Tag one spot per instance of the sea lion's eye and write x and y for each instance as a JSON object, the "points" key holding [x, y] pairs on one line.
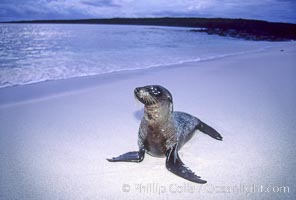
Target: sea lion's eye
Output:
{"points": [[155, 91]]}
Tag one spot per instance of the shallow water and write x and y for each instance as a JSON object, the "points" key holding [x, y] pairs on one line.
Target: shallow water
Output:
{"points": [[32, 53]]}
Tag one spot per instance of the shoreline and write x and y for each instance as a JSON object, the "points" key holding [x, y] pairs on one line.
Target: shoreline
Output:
{"points": [[47, 87], [264, 47]]}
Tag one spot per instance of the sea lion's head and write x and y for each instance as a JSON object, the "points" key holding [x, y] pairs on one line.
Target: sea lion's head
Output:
{"points": [[153, 94]]}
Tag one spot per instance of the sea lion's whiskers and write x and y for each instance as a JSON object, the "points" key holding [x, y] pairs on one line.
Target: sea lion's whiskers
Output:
{"points": [[153, 100], [150, 101]]}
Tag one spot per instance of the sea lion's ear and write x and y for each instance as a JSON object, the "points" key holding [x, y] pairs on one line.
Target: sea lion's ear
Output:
{"points": [[170, 98]]}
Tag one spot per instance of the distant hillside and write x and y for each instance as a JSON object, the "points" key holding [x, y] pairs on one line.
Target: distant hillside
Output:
{"points": [[239, 28]]}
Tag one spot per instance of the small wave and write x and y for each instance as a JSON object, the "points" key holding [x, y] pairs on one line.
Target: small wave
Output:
{"points": [[10, 77]]}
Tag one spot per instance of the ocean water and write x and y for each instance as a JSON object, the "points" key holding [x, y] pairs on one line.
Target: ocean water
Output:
{"points": [[32, 53]]}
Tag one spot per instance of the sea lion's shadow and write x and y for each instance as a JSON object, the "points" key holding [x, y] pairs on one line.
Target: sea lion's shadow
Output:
{"points": [[139, 114]]}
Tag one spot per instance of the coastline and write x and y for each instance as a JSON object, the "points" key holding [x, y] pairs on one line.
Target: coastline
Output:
{"points": [[240, 28], [56, 135], [10, 95], [54, 65]]}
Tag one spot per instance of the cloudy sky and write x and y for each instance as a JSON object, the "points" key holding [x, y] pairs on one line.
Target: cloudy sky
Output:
{"points": [[271, 10]]}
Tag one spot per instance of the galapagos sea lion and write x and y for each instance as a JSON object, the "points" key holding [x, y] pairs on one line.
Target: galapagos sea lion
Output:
{"points": [[164, 131]]}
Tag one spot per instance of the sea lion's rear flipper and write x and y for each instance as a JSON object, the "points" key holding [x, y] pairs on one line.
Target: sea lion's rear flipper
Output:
{"points": [[203, 127], [175, 165], [134, 156]]}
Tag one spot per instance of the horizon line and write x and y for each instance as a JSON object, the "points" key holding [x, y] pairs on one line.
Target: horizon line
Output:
{"points": [[167, 17]]}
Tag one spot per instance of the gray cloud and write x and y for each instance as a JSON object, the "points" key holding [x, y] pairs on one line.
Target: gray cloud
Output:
{"points": [[100, 3], [271, 10]]}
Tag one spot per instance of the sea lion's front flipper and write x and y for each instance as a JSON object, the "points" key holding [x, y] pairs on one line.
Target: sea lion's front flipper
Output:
{"points": [[203, 127], [175, 165], [134, 156]]}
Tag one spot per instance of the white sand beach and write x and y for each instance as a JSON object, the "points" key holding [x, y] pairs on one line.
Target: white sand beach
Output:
{"points": [[55, 136]]}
